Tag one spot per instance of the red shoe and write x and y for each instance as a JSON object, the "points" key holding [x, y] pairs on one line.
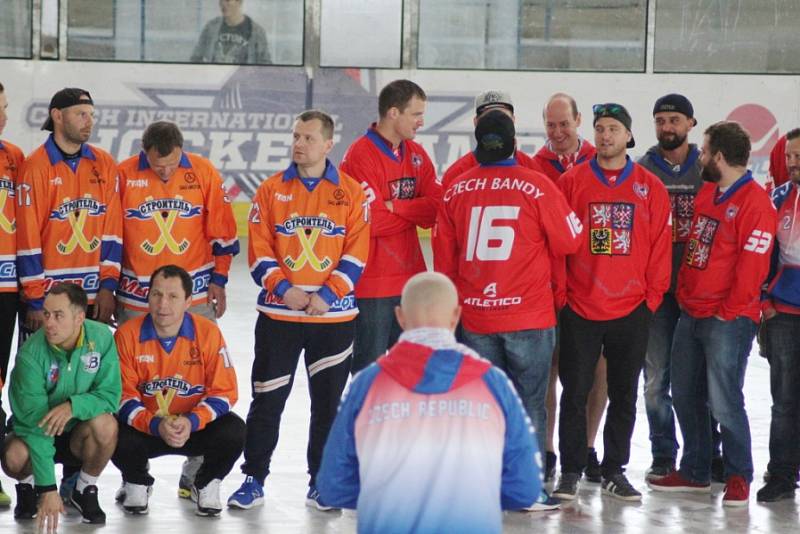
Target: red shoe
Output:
{"points": [[737, 492], [674, 482]]}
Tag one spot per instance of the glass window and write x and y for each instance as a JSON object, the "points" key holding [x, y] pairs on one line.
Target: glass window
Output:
{"points": [[533, 34], [746, 36], [15, 29], [344, 43], [259, 32]]}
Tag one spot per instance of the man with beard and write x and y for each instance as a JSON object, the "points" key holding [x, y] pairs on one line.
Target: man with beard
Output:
{"points": [[781, 314], [719, 284], [614, 283], [677, 163]]}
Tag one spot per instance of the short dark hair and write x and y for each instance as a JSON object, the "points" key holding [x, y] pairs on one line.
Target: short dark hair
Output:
{"points": [[2, 89], [75, 294], [321, 116], [793, 134], [731, 140], [562, 96], [398, 94], [173, 271], [164, 136]]}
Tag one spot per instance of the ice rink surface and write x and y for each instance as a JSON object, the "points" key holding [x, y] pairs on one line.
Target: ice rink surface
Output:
{"points": [[284, 510]]}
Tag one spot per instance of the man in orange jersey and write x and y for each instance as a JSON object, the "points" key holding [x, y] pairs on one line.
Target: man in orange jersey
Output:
{"points": [[175, 211], [178, 387], [11, 159], [68, 218], [309, 240]]}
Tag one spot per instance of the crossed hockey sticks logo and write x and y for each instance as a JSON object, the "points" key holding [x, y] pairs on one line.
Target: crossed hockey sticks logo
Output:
{"points": [[77, 221], [8, 226], [307, 255], [165, 239], [163, 401]]}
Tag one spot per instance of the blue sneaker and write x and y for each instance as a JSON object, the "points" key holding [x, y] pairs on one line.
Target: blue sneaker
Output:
{"points": [[66, 487], [313, 500], [544, 503], [249, 494]]}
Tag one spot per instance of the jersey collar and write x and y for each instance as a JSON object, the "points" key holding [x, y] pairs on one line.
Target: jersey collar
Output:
{"points": [[148, 330], [662, 164], [508, 162], [735, 186], [144, 164], [598, 171], [330, 173], [383, 144], [55, 154]]}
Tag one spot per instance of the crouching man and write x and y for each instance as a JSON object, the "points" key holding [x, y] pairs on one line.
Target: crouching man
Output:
{"points": [[64, 388], [431, 438], [178, 388]]}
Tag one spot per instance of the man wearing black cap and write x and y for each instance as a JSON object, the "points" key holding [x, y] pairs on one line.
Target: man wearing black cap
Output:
{"points": [[677, 163], [497, 229], [614, 283], [69, 225]]}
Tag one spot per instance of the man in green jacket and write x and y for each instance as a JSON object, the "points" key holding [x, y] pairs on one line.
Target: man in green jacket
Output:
{"points": [[64, 390]]}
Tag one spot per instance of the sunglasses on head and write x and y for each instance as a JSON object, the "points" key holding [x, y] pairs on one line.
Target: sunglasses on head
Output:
{"points": [[607, 109]]}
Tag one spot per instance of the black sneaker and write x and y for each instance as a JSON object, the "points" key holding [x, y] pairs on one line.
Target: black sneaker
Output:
{"points": [[550, 459], [593, 473], [617, 486], [87, 505], [660, 468], [776, 489], [567, 488], [27, 504], [717, 470]]}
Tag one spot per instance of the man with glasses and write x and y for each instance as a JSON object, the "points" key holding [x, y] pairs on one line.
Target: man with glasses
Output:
{"points": [[614, 283]]}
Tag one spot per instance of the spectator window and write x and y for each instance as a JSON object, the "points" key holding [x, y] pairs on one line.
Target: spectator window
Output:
{"points": [[15, 29], [344, 41], [533, 34], [257, 32], [746, 36]]}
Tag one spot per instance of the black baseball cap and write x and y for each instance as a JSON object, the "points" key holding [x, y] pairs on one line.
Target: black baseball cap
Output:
{"points": [[65, 98], [495, 135], [676, 103], [617, 112]]}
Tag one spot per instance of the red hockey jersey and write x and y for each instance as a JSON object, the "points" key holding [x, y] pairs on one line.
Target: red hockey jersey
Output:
{"points": [[728, 254], [191, 374], [626, 248], [554, 165], [498, 225], [409, 181], [11, 159]]}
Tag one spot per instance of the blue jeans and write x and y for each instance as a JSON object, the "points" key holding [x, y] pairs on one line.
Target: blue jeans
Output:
{"points": [[709, 359], [657, 398], [525, 356], [782, 349], [376, 330]]}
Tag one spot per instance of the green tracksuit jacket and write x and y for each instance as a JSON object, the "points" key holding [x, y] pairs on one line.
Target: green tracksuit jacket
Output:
{"points": [[45, 376]]}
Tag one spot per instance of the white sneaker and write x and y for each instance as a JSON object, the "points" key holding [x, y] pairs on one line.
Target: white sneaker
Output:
{"points": [[136, 497], [207, 499]]}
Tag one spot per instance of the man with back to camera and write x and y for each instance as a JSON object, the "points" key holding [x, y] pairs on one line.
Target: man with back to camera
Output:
{"points": [[400, 183], [431, 438], [614, 283], [232, 38], [64, 390]]}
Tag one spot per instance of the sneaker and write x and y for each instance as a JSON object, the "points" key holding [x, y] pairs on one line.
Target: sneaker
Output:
{"points": [[617, 486], [544, 503], [737, 492], [567, 488], [593, 472], [776, 489], [550, 460], [660, 468], [134, 498], [5, 500], [717, 469], [26, 507], [249, 494], [675, 482], [87, 505], [191, 466], [66, 486], [207, 499], [313, 500]]}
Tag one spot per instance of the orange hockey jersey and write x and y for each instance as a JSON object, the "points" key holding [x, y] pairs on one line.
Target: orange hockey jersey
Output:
{"points": [[312, 234], [187, 221], [11, 159], [69, 226], [191, 374]]}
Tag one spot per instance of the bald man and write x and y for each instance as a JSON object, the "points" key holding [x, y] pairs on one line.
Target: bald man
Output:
{"points": [[445, 424]]}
